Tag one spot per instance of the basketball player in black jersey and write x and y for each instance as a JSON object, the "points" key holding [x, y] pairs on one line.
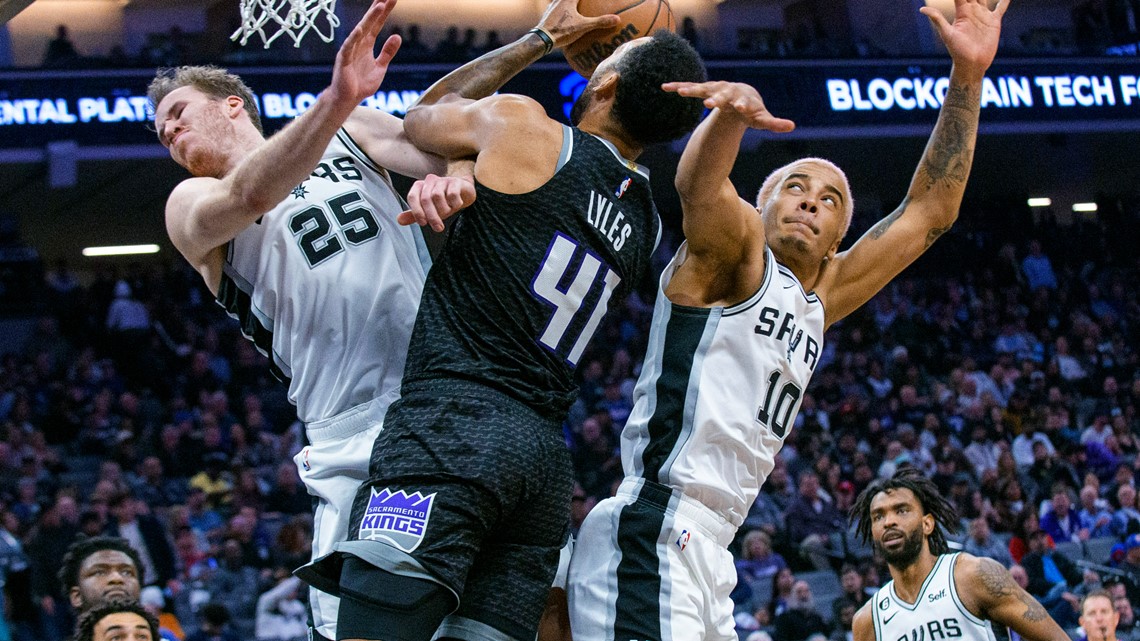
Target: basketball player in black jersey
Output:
{"points": [[468, 503]]}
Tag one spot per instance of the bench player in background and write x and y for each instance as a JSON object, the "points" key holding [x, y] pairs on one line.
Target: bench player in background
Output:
{"points": [[932, 593], [737, 332], [297, 237]]}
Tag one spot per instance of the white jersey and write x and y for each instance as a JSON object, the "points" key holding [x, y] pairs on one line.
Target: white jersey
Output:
{"points": [[720, 388], [327, 284], [937, 614]]}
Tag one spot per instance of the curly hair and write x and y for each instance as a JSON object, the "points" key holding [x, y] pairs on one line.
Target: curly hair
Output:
{"points": [[648, 113], [81, 549], [212, 81], [924, 490], [85, 629]]}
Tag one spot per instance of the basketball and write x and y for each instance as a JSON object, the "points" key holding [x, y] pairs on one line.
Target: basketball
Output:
{"points": [[638, 18]]}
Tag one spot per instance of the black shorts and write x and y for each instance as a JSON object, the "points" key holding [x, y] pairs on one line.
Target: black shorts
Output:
{"points": [[486, 486]]}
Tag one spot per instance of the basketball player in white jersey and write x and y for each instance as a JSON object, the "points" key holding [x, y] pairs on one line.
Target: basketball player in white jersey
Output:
{"points": [[737, 332], [297, 236], [933, 594]]}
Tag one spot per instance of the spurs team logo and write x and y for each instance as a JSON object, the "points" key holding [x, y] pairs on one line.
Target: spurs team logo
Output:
{"points": [[396, 517]]}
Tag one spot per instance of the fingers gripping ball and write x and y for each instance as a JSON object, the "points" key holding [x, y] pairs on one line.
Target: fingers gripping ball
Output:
{"points": [[638, 18]]}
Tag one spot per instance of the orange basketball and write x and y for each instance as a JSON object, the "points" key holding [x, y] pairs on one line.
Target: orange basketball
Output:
{"points": [[638, 18]]}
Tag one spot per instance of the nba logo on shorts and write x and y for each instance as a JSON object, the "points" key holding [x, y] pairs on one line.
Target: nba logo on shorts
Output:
{"points": [[305, 460], [683, 540], [396, 517]]}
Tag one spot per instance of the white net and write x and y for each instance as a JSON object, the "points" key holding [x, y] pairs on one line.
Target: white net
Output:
{"points": [[271, 18]]}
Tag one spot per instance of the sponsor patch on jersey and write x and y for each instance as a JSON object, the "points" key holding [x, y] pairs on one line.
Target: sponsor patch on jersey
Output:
{"points": [[396, 517], [623, 186], [683, 540]]}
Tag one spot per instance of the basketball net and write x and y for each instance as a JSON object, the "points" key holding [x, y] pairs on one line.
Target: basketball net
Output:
{"points": [[271, 18]]}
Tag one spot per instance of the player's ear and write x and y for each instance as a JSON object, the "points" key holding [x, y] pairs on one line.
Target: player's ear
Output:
{"points": [[928, 524], [607, 86], [234, 106]]}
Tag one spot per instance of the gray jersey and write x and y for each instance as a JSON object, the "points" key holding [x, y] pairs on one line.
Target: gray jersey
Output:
{"points": [[936, 615], [327, 284], [720, 388]]}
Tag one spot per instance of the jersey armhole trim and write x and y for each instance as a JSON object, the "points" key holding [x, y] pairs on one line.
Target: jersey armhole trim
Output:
{"points": [[358, 151], [751, 301], [567, 148], [954, 594]]}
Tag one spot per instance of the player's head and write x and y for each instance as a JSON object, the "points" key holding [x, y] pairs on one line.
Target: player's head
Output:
{"points": [[1099, 616], [632, 76], [98, 569], [903, 515], [119, 621], [205, 101], [806, 206]]}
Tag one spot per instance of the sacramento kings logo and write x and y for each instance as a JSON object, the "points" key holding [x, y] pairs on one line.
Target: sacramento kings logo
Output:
{"points": [[396, 517]]}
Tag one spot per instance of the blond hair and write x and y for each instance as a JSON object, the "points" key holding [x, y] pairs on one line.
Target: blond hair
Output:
{"points": [[778, 176], [212, 81]]}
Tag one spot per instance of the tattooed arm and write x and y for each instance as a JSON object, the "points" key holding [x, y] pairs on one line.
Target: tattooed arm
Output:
{"points": [[988, 591], [485, 75], [931, 204]]}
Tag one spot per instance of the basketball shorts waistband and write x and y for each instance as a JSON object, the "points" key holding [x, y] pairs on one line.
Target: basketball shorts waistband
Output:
{"points": [[673, 501], [352, 420]]}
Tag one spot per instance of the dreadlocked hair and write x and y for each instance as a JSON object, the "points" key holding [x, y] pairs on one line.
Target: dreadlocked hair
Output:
{"points": [[924, 490]]}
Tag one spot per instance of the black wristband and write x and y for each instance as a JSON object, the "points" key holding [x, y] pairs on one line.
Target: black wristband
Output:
{"points": [[545, 37]]}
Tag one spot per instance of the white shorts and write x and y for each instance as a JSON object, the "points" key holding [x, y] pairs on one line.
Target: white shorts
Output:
{"points": [[653, 565], [333, 466]]}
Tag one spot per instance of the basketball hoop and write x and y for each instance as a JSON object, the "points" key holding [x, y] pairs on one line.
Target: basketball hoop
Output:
{"points": [[271, 18]]}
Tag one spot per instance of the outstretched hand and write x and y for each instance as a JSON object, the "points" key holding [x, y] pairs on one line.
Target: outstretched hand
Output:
{"points": [[565, 25], [437, 198], [733, 98], [972, 39], [357, 74]]}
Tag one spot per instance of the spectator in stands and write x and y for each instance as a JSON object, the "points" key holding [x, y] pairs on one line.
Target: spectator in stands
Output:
{"points": [[758, 562], [1051, 579], [47, 543], [153, 488], [1126, 518], [117, 621], [152, 599], [1038, 268], [1061, 522], [982, 543], [281, 616], [61, 52], [782, 584], [1130, 566], [982, 452], [1093, 515], [146, 535], [1128, 627], [800, 619], [852, 592], [215, 625], [811, 520]]}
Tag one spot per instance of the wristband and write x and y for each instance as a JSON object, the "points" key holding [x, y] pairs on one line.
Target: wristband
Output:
{"points": [[545, 37]]}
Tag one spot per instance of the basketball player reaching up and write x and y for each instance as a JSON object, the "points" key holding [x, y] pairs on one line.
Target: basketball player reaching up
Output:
{"points": [[297, 237], [737, 332], [932, 593], [469, 499]]}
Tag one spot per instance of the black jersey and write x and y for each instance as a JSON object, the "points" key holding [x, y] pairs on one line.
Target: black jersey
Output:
{"points": [[525, 279]]}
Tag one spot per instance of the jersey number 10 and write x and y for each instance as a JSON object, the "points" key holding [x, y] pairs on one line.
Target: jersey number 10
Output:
{"points": [[779, 407], [568, 302]]}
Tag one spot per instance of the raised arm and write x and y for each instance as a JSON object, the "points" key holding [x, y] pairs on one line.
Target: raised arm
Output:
{"points": [[718, 224], [931, 204], [987, 590], [203, 214], [561, 23]]}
